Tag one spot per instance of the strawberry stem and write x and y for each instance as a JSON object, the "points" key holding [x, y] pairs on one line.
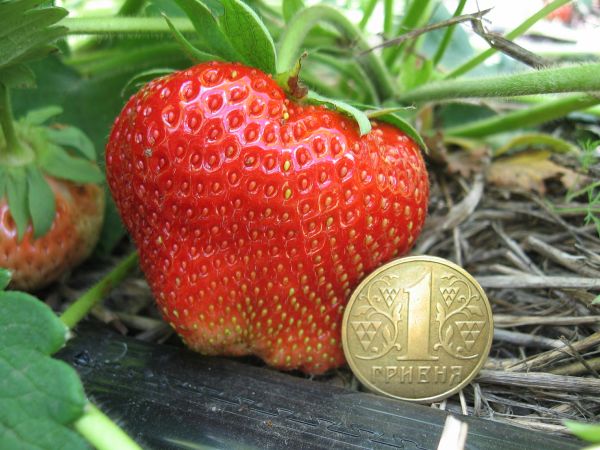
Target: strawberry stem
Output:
{"points": [[583, 78], [102, 432], [527, 117], [13, 147], [82, 306], [299, 27], [124, 25]]}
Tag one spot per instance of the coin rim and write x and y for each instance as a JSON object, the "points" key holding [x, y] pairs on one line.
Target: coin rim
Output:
{"points": [[401, 261]]}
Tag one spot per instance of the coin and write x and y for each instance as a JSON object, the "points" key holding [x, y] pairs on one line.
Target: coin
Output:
{"points": [[418, 329]]}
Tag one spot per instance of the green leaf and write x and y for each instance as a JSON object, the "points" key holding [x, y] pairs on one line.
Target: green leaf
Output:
{"points": [[17, 76], [586, 431], [291, 7], [58, 163], [41, 397], [16, 191], [42, 204], [209, 32], [360, 117], [39, 434], [197, 56], [5, 277], [248, 35], [69, 136], [41, 115], [29, 30], [24, 320]]}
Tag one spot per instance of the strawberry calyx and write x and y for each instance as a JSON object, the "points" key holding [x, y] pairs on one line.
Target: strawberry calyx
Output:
{"points": [[58, 151], [235, 33]]}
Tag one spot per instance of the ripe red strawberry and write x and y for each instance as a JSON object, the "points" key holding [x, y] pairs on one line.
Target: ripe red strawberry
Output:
{"points": [[254, 216], [36, 262]]}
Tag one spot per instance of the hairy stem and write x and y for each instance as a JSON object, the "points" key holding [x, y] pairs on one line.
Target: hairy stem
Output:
{"points": [[522, 28], [99, 430], [13, 147], [582, 78], [439, 54], [527, 117], [137, 26], [297, 30], [79, 309]]}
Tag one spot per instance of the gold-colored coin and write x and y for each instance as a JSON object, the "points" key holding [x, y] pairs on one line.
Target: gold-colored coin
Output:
{"points": [[418, 329]]}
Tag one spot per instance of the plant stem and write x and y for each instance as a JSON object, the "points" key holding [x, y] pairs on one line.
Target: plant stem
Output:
{"points": [[528, 117], [297, 30], [388, 17], [13, 146], [582, 78], [79, 309], [97, 428], [439, 54], [522, 28], [139, 26], [367, 14]]}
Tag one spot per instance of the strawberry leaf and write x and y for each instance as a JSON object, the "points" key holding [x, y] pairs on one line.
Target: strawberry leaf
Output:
{"points": [[360, 117], [16, 191], [42, 205], [57, 162], [41, 397], [25, 321], [29, 29], [40, 116], [17, 76], [248, 35], [69, 136], [5, 277]]}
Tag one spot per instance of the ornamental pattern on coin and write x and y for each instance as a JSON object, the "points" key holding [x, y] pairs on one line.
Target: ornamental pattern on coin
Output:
{"points": [[418, 328]]}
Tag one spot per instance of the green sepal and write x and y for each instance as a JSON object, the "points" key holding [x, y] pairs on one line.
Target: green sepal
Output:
{"points": [[72, 137], [17, 76], [5, 276], [390, 116], [197, 56], [42, 115], [16, 192], [364, 124], [57, 162], [237, 34], [208, 30], [140, 79], [248, 35], [42, 204]]}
